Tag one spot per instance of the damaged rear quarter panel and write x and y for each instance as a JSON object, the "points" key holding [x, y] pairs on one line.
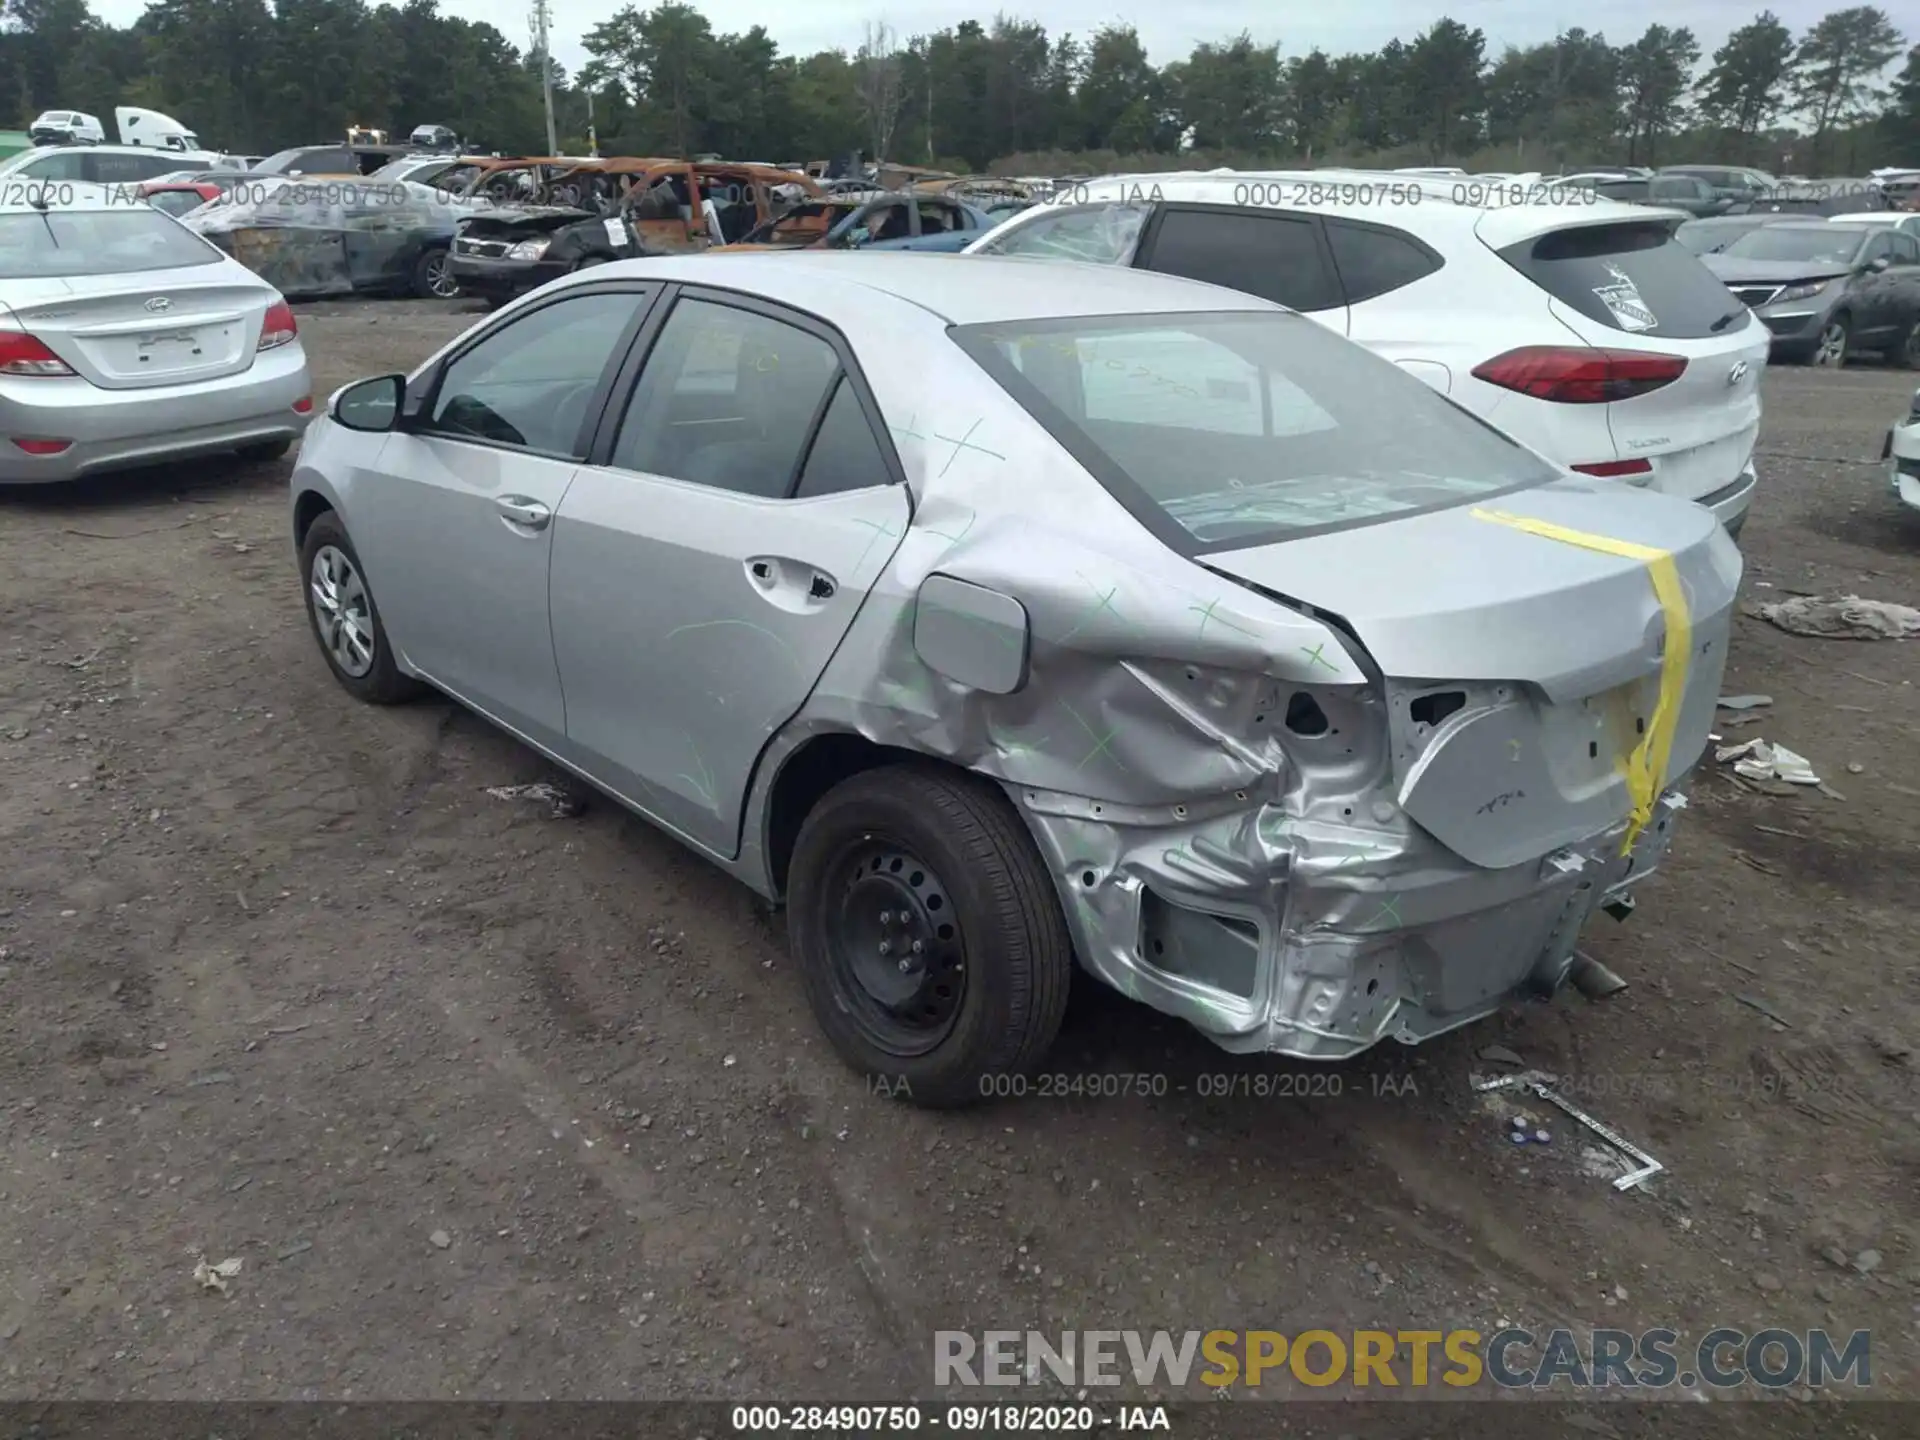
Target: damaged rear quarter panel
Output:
{"points": [[1213, 777]]}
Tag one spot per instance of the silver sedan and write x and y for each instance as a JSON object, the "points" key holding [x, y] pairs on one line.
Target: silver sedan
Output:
{"points": [[125, 340], [1006, 616]]}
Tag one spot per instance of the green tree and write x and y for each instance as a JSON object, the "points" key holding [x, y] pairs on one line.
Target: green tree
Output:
{"points": [[1653, 83], [1230, 96], [1835, 67], [1444, 95], [1746, 85]]}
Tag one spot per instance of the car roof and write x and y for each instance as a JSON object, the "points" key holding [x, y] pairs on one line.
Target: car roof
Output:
{"points": [[1500, 213], [971, 291]]}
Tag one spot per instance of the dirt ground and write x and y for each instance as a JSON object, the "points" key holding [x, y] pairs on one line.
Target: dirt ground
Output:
{"points": [[494, 1104]]}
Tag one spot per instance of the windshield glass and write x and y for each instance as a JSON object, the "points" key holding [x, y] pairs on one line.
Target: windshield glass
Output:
{"points": [[1813, 245], [1245, 428], [95, 242]]}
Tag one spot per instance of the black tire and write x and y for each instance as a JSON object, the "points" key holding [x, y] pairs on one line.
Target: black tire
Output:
{"points": [[1908, 352], [431, 279], [382, 683], [265, 451], [1829, 353], [1006, 951]]}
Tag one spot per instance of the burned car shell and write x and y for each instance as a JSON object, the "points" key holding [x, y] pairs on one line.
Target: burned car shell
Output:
{"points": [[510, 250], [315, 237], [851, 222], [1310, 794]]}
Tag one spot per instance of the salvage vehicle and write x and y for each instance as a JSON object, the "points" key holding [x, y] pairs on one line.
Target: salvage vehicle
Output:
{"points": [[318, 160], [177, 197], [1827, 290], [1671, 192], [129, 341], [1707, 237], [324, 237], [1899, 220], [616, 209], [890, 220], [1115, 626], [1583, 329], [1902, 451], [101, 164]]}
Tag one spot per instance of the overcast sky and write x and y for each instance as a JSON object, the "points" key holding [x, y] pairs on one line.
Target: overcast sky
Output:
{"points": [[1169, 30]]}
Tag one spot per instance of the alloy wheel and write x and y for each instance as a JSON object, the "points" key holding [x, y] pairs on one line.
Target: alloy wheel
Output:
{"points": [[1832, 346], [440, 277], [342, 611]]}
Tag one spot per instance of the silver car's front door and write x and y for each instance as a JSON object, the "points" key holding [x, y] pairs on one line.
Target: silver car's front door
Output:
{"points": [[457, 531], [706, 573]]}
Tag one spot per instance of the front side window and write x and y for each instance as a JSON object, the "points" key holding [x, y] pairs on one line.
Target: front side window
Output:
{"points": [[1232, 429], [1104, 234], [528, 384], [726, 399], [60, 165]]}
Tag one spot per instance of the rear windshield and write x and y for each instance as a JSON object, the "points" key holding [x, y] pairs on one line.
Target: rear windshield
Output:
{"points": [[1220, 431], [1814, 245], [95, 242], [1634, 277]]}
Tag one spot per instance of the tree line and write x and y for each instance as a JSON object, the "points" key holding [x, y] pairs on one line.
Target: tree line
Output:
{"points": [[1005, 95]]}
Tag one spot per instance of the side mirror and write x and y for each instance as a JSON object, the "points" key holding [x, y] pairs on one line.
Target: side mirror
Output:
{"points": [[370, 405], [1877, 264]]}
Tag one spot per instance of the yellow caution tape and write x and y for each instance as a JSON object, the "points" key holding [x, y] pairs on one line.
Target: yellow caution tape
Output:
{"points": [[1646, 768]]}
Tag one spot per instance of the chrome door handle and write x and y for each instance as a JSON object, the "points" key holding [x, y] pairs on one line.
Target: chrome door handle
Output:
{"points": [[523, 511]]}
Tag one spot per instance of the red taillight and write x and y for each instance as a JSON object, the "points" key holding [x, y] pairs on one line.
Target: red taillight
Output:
{"points": [[23, 354], [278, 328], [1583, 376], [43, 447], [1613, 469], [304, 405]]}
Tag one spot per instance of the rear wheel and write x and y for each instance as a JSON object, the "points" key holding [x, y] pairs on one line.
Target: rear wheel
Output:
{"points": [[1830, 350], [1908, 353], [928, 934], [433, 276]]}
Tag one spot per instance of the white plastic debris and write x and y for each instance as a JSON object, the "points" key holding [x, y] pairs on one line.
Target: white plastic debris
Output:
{"points": [[562, 805], [215, 1277], [1757, 760], [1844, 617]]}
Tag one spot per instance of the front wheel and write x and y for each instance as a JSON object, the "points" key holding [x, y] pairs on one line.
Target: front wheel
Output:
{"points": [[1830, 350], [928, 934], [345, 620]]}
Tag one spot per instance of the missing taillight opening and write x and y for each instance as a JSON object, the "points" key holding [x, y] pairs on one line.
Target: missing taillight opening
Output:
{"points": [[1580, 375]]}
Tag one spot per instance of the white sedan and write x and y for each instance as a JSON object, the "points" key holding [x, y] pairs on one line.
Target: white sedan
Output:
{"points": [[1902, 454], [126, 340]]}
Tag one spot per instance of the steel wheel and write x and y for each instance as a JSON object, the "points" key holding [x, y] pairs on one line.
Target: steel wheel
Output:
{"points": [[342, 613], [895, 949], [440, 278], [1830, 349]]}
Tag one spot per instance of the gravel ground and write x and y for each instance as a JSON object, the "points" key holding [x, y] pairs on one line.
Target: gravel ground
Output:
{"points": [[492, 1104]]}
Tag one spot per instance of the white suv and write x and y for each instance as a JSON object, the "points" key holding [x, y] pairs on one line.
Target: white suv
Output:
{"points": [[1580, 328]]}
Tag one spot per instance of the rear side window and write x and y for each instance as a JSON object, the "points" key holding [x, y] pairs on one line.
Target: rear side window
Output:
{"points": [[96, 242], [845, 456], [1374, 262], [1276, 257], [1633, 277]]}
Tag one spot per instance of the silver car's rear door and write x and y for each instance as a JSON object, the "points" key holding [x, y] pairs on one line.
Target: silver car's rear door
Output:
{"points": [[694, 603]]}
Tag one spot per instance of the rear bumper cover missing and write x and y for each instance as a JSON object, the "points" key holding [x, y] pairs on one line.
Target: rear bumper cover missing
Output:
{"points": [[1301, 939]]}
